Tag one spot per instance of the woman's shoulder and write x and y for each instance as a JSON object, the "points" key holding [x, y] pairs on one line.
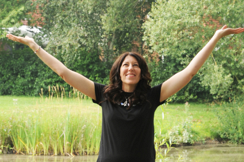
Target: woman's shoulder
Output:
{"points": [[156, 88], [99, 86]]}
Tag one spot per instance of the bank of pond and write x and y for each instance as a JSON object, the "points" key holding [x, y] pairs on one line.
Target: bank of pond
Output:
{"points": [[200, 153], [72, 126]]}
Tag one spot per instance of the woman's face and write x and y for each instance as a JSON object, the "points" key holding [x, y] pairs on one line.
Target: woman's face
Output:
{"points": [[130, 73]]}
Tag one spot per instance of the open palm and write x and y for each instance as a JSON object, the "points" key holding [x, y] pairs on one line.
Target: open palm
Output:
{"points": [[224, 31], [24, 40]]}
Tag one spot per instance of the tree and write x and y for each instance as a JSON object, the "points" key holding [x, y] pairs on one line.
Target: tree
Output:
{"points": [[11, 12], [106, 27], [178, 29], [122, 24]]}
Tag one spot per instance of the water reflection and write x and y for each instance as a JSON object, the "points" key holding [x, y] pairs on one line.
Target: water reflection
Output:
{"points": [[25, 158], [207, 153], [203, 153]]}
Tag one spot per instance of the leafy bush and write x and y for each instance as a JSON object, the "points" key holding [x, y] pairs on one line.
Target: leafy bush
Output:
{"points": [[182, 133], [178, 30], [11, 12], [23, 73], [160, 72], [231, 119], [18, 71]]}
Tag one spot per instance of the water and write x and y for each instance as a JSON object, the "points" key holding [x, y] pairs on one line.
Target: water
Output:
{"points": [[26, 158], [207, 153], [202, 153]]}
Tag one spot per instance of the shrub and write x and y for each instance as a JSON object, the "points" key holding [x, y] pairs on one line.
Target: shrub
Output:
{"points": [[231, 119], [23, 73], [177, 30]]}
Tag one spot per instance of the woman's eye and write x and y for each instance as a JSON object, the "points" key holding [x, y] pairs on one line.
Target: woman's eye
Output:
{"points": [[135, 65]]}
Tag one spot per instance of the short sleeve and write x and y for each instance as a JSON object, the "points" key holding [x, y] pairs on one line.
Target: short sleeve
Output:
{"points": [[99, 89], [155, 95]]}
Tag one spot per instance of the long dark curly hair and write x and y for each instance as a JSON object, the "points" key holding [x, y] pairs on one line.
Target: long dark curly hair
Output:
{"points": [[114, 93]]}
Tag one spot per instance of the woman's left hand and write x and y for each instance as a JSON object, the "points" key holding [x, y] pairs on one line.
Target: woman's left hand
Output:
{"points": [[224, 31]]}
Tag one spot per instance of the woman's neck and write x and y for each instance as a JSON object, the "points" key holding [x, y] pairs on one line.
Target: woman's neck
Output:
{"points": [[128, 88]]}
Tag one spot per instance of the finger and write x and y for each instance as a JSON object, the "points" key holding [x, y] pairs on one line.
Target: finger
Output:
{"points": [[224, 27], [10, 36], [14, 38], [238, 30]]}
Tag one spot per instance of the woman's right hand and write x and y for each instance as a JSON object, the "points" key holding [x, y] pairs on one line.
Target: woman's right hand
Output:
{"points": [[24, 40]]}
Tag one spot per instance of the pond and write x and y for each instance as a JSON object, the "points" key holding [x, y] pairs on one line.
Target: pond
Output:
{"points": [[201, 153], [26, 158], [207, 153]]}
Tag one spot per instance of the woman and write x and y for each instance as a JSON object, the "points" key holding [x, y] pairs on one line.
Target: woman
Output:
{"points": [[128, 102]]}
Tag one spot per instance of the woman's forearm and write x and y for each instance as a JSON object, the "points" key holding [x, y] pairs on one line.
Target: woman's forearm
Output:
{"points": [[57, 66], [203, 55]]}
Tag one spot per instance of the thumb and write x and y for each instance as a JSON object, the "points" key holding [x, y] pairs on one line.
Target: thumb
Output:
{"points": [[224, 27]]}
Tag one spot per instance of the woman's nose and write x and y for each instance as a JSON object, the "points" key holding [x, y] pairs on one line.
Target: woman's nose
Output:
{"points": [[130, 67]]}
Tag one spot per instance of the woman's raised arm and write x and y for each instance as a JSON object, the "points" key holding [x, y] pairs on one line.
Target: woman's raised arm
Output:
{"points": [[179, 80], [76, 80]]}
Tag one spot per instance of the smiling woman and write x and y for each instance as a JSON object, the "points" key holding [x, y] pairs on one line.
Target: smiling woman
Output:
{"points": [[128, 102], [130, 74]]}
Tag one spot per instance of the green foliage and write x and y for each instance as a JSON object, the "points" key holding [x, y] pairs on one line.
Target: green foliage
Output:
{"points": [[183, 133], [73, 25], [105, 27], [161, 71], [218, 82], [19, 70], [231, 119], [13, 17], [90, 65], [122, 24], [179, 29], [84, 32], [23, 73], [48, 127], [79, 118], [11, 12]]}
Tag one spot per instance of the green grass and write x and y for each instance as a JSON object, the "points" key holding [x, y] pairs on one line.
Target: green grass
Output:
{"points": [[50, 126], [44, 126], [202, 116]]}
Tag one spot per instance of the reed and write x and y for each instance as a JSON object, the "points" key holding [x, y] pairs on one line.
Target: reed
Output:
{"points": [[52, 126], [61, 125]]}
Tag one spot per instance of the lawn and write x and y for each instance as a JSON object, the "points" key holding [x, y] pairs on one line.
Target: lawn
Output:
{"points": [[200, 117]]}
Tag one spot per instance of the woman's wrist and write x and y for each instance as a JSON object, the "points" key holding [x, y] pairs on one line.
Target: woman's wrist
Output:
{"points": [[217, 35], [34, 47]]}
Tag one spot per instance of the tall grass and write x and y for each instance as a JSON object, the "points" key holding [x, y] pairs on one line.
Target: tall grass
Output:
{"points": [[185, 123], [61, 124], [231, 118], [56, 126]]}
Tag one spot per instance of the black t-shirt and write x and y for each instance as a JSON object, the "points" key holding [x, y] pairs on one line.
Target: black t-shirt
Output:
{"points": [[127, 135]]}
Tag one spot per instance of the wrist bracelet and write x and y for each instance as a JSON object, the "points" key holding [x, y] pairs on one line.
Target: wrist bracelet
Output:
{"points": [[38, 49]]}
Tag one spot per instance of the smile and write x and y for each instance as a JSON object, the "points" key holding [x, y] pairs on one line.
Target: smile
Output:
{"points": [[130, 75]]}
